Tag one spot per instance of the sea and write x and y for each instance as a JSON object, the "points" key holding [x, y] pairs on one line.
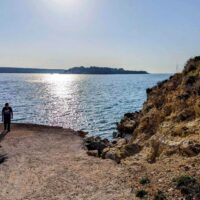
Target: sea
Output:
{"points": [[92, 103]]}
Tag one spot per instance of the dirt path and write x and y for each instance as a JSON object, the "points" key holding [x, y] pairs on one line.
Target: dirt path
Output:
{"points": [[50, 163]]}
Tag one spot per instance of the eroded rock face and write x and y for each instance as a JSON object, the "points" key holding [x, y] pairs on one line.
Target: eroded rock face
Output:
{"points": [[170, 116]]}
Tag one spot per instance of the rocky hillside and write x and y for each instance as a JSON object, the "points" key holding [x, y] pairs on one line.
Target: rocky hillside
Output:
{"points": [[162, 150], [169, 122]]}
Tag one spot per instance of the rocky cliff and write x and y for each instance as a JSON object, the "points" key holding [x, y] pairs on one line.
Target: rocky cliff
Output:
{"points": [[162, 152], [169, 123]]}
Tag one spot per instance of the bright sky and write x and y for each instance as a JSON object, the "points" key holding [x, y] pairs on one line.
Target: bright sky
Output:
{"points": [[153, 35]]}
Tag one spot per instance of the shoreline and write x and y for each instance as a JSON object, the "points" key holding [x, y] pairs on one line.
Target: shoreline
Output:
{"points": [[31, 125]]}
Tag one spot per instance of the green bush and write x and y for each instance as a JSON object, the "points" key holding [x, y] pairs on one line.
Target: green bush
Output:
{"points": [[188, 186], [184, 181], [144, 180], [141, 193], [159, 196]]}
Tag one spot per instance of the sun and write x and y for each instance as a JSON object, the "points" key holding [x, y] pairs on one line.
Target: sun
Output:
{"points": [[64, 6], [64, 2]]}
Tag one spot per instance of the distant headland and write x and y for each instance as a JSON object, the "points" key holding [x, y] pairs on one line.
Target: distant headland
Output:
{"points": [[30, 70], [73, 70]]}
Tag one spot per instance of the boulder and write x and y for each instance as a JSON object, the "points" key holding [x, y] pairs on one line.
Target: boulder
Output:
{"points": [[121, 151], [129, 150], [190, 148], [129, 115], [127, 126], [93, 153], [121, 142], [96, 143], [116, 134], [82, 133], [111, 154]]}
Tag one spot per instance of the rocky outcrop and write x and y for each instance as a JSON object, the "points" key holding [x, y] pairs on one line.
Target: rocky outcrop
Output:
{"points": [[169, 122], [95, 145]]}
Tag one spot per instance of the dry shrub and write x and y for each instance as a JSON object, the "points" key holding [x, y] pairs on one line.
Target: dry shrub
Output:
{"points": [[180, 131]]}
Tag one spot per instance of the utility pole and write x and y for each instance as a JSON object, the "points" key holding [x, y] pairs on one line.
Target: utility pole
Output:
{"points": [[177, 68]]}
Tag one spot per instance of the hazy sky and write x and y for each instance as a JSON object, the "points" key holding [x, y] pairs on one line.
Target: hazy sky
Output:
{"points": [[154, 35]]}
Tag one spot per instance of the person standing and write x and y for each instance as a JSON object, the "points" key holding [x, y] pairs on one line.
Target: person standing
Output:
{"points": [[7, 115]]}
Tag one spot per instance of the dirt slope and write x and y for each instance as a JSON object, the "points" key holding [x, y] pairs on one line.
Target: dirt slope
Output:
{"points": [[50, 163]]}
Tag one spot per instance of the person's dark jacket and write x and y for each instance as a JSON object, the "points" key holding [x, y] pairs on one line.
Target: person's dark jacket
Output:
{"points": [[7, 114]]}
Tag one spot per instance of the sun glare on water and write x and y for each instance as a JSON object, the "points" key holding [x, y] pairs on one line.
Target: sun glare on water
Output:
{"points": [[54, 78], [59, 84]]}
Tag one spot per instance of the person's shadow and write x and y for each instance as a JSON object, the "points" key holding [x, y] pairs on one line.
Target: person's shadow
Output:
{"points": [[3, 134], [3, 157]]}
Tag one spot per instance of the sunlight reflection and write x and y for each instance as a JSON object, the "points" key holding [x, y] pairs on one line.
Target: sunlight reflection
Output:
{"points": [[60, 84]]}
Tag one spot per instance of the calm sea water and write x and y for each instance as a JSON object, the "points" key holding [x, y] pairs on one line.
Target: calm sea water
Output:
{"points": [[91, 103]]}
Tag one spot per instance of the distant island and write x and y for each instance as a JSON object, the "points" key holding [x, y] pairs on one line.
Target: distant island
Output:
{"points": [[101, 70], [73, 70], [30, 70]]}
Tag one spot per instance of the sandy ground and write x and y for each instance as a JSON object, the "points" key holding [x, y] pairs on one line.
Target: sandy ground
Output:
{"points": [[51, 163]]}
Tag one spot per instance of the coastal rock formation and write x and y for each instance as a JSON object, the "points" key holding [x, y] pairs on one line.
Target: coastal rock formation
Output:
{"points": [[160, 145], [169, 123]]}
